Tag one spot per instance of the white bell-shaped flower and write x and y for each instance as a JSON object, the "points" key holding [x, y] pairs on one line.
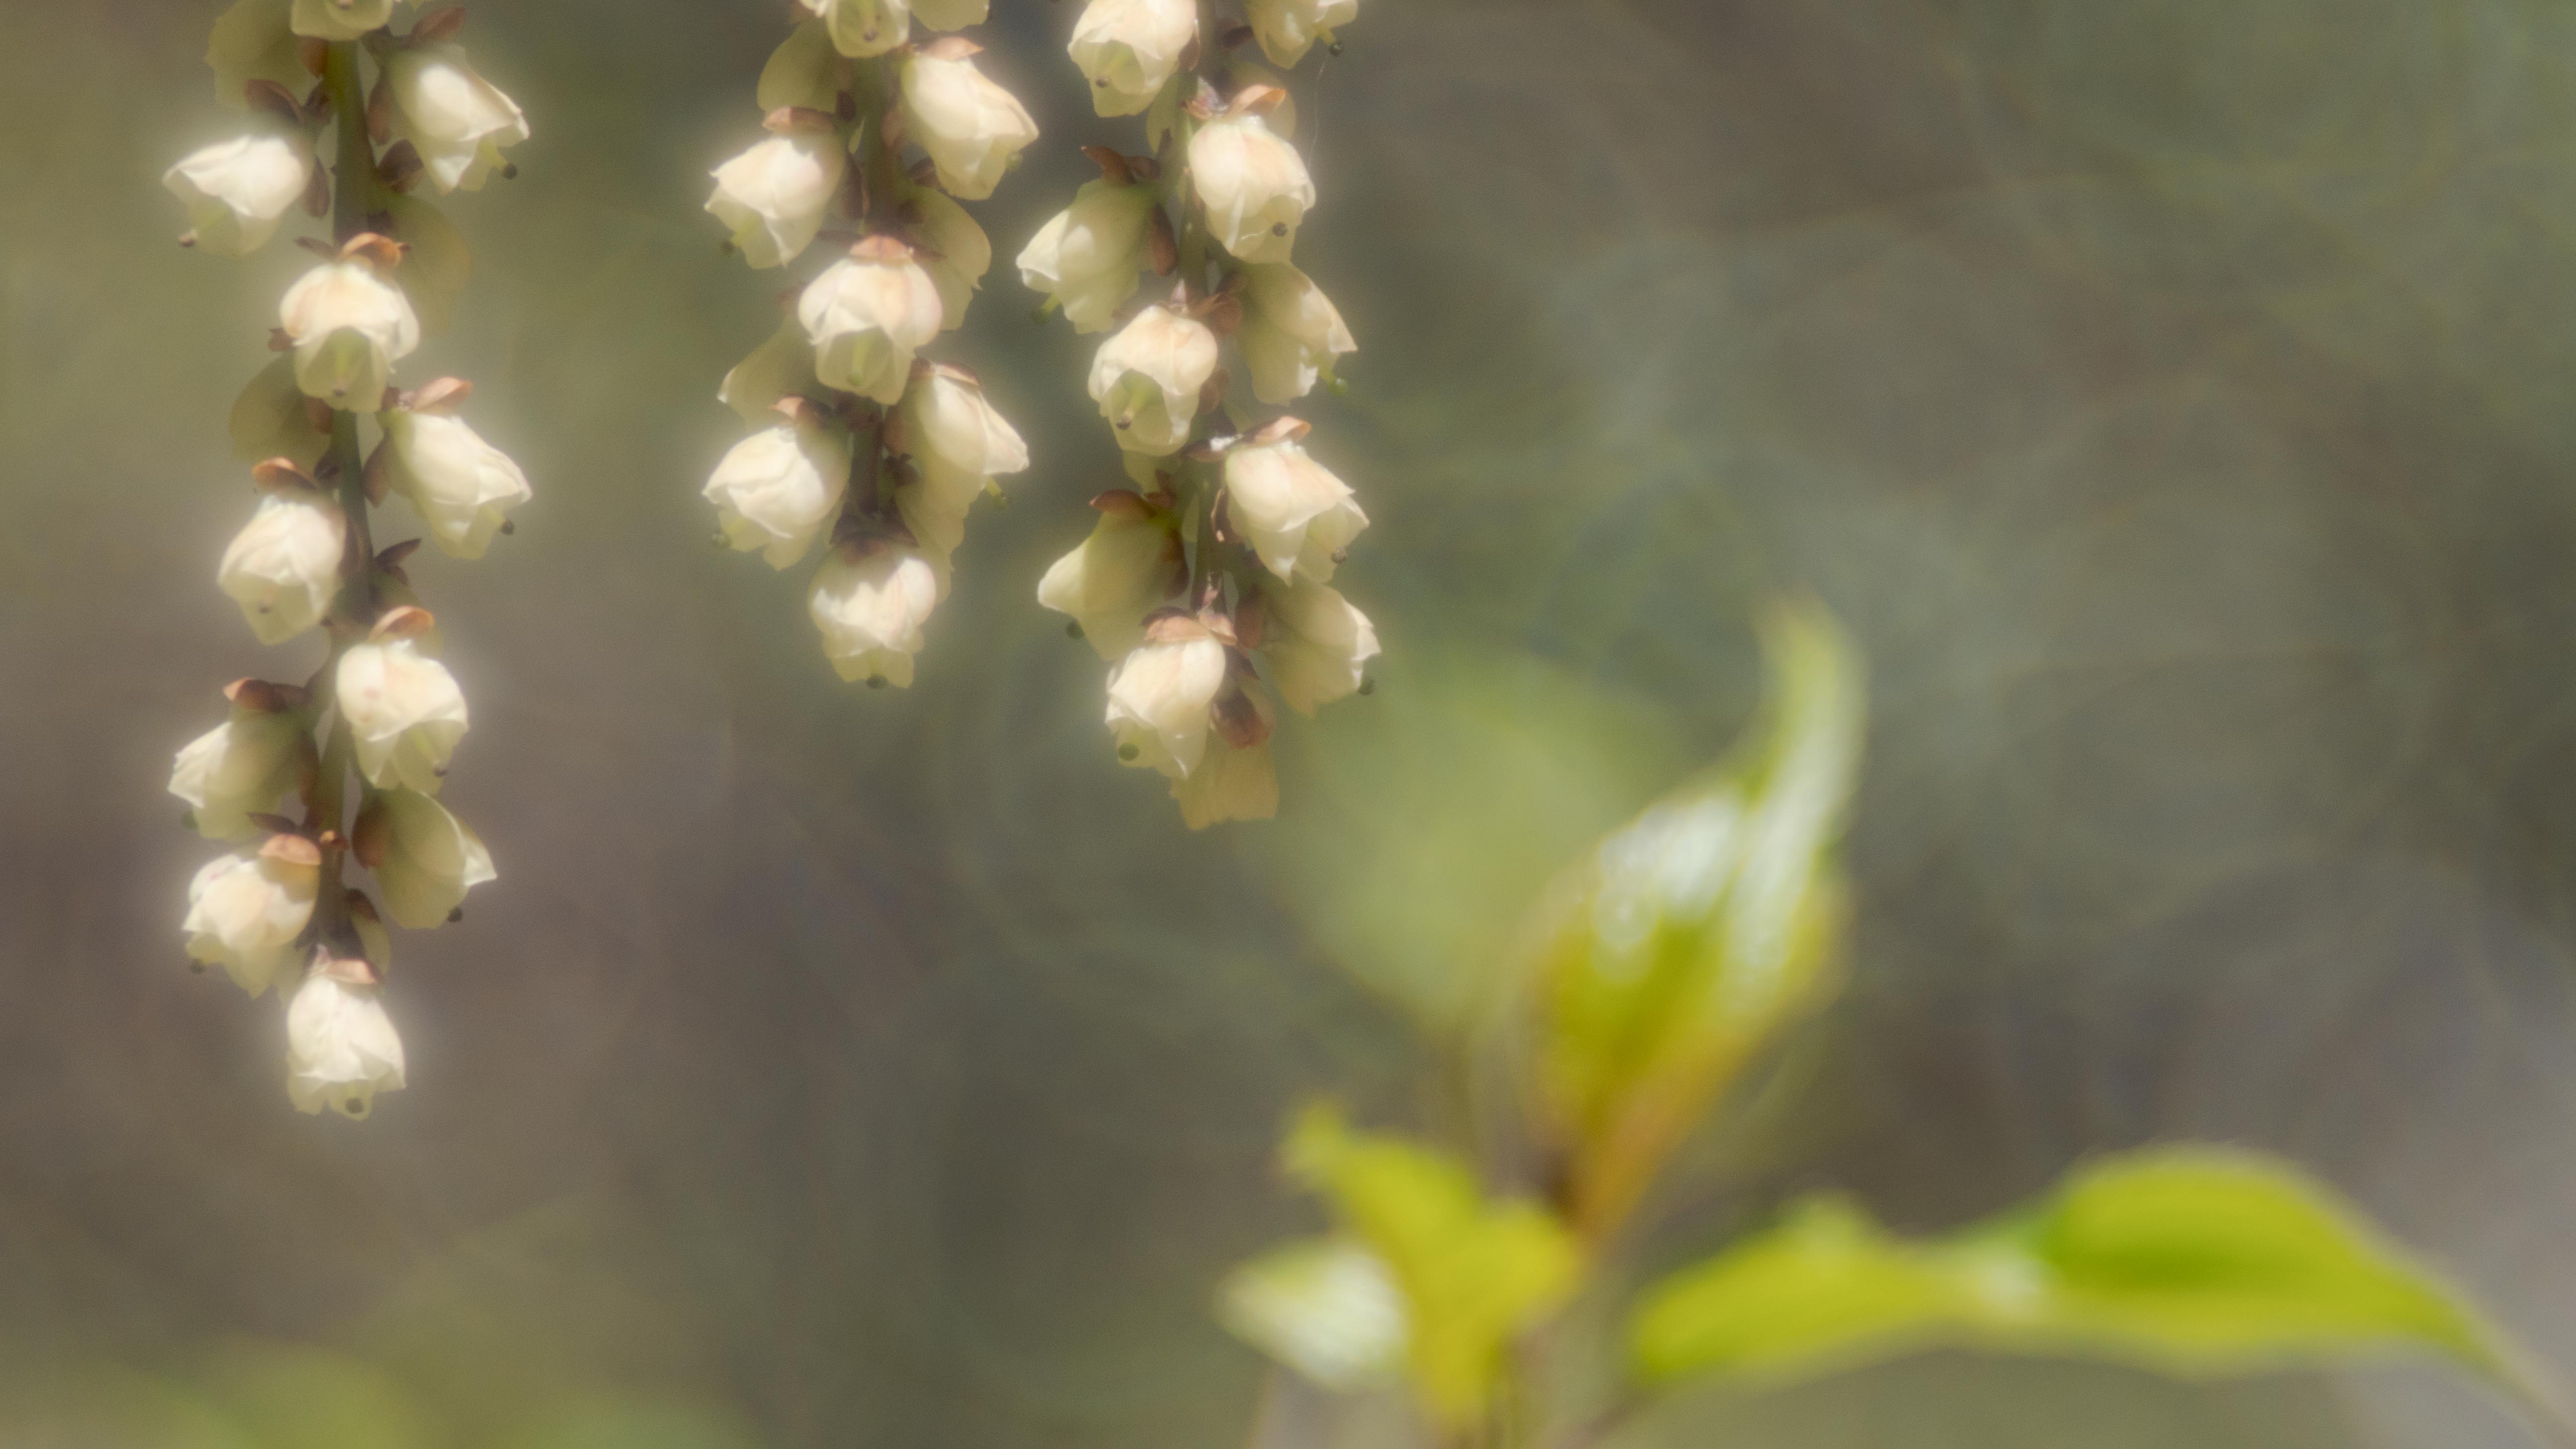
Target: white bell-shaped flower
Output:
{"points": [[1148, 379], [867, 315], [1316, 644], [1288, 29], [1089, 259], [958, 442], [1160, 697], [403, 708], [773, 197], [1236, 779], [246, 909], [341, 19], [1129, 48], [240, 767], [349, 326], [1296, 515], [463, 487], [283, 568], [341, 1047], [424, 858], [864, 28], [1252, 185], [1129, 567], [777, 488], [238, 191], [972, 128], [955, 252], [458, 121], [871, 611], [1291, 334]]}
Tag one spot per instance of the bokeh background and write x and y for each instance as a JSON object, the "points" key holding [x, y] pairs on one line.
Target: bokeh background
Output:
{"points": [[2171, 396]]}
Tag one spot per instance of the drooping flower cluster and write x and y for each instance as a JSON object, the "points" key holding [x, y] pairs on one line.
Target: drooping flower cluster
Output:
{"points": [[273, 781], [1207, 584], [864, 443]]}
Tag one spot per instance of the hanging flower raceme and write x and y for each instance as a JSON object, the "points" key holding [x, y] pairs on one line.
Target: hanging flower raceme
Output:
{"points": [[311, 783], [1205, 584], [863, 441]]}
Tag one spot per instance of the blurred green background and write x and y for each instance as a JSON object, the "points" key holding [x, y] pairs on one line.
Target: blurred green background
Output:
{"points": [[2171, 396]]}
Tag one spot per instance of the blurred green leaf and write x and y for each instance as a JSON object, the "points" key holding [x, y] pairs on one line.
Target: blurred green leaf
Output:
{"points": [[1471, 1272], [434, 271], [2192, 1261], [270, 419], [1692, 936], [298, 1398], [1327, 1308], [800, 71]]}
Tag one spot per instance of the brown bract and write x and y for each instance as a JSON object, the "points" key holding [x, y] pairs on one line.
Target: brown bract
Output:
{"points": [[1170, 625], [277, 474], [409, 621], [375, 249], [1257, 99], [289, 846], [791, 120], [1238, 719], [261, 696], [438, 25], [881, 250]]}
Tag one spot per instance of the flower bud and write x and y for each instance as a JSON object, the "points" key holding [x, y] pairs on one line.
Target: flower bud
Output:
{"points": [[237, 191], [1291, 332], [866, 315], [283, 568], [1232, 782], [957, 255], [341, 19], [971, 127], [1125, 570], [404, 710], [1293, 511], [1129, 48], [864, 28], [463, 487], [777, 488], [349, 327], [252, 41], [773, 197], [424, 858], [239, 768], [1289, 28], [871, 611], [341, 1047], [457, 120], [246, 909], [1252, 185], [1160, 696], [1088, 258], [1315, 644], [1147, 380]]}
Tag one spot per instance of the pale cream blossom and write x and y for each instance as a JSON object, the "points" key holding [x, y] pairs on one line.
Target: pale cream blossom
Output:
{"points": [[1296, 515], [1287, 29], [1130, 48], [423, 857], [238, 191], [1315, 643], [864, 28], [1148, 379], [1129, 567], [777, 488], [1090, 257], [246, 909], [458, 121], [341, 19], [349, 326], [958, 442], [871, 611], [1160, 697], [404, 710], [463, 487], [972, 128], [240, 768], [866, 316], [773, 197], [1291, 334], [283, 568], [341, 1047], [1252, 186]]}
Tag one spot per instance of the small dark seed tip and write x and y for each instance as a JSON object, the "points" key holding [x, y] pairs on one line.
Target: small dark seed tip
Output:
{"points": [[188, 820], [1129, 753], [1333, 49], [510, 172], [1367, 688], [876, 681], [456, 916], [1279, 228], [508, 527], [1073, 630]]}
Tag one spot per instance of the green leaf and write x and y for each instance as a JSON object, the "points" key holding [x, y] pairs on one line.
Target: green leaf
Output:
{"points": [[801, 71], [1471, 1273], [2191, 1261], [780, 368], [434, 271], [270, 420], [1694, 935]]}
